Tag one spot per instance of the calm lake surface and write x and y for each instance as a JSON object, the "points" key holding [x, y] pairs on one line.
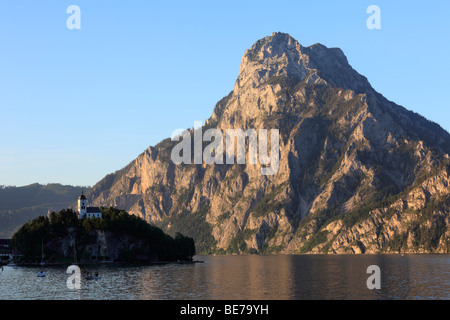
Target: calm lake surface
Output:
{"points": [[280, 277]]}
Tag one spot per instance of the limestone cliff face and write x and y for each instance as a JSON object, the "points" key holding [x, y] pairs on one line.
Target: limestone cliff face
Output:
{"points": [[357, 173]]}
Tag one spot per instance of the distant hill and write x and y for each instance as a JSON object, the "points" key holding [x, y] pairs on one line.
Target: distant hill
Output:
{"points": [[21, 204]]}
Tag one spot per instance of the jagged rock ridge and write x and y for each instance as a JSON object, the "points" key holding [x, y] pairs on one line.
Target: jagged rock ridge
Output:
{"points": [[357, 172]]}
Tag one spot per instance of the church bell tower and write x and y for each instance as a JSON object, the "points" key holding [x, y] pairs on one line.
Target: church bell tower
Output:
{"points": [[82, 205]]}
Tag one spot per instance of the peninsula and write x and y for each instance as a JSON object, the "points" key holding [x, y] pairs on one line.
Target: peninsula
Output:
{"points": [[117, 236]]}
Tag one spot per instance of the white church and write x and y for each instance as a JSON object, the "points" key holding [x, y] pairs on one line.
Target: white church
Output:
{"points": [[84, 210]]}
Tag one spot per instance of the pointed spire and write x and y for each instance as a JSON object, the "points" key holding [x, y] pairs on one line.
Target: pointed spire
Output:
{"points": [[82, 197]]}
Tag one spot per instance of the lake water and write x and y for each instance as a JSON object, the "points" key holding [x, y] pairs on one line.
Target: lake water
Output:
{"points": [[279, 277]]}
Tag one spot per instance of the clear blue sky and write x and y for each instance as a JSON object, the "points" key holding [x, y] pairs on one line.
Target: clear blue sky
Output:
{"points": [[76, 105]]}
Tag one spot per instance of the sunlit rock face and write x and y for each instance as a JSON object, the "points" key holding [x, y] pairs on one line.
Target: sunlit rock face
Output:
{"points": [[357, 173]]}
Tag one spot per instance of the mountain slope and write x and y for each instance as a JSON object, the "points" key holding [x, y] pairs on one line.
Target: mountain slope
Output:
{"points": [[357, 173], [20, 204]]}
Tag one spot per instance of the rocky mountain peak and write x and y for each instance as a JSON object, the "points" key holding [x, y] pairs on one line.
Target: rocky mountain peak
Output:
{"points": [[280, 55]]}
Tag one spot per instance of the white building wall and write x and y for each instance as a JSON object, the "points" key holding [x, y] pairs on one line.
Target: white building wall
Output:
{"points": [[82, 207]]}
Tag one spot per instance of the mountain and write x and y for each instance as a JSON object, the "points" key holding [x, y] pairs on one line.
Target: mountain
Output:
{"points": [[357, 173], [21, 204]]}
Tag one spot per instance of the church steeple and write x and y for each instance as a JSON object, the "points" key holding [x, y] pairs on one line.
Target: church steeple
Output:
{"points": [[82, 197], [82, 205]]}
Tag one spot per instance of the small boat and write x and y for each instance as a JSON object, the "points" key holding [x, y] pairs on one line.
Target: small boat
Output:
{"points": [[89, 276], [42, 273]]}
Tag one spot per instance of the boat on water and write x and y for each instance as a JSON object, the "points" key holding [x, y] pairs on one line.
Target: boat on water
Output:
{"points": [[41, 273], [89, 276]]}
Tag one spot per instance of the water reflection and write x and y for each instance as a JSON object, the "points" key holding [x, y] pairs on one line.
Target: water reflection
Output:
{"points": [[279, 277]]}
